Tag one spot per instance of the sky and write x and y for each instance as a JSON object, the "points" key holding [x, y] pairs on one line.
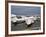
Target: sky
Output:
{"points": [[25, 10]]}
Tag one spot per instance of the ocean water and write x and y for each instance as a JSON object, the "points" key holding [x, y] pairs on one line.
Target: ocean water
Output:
{"points": [[23, 26]]}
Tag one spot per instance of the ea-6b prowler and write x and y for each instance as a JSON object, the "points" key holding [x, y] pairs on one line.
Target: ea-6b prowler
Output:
{"points": [[20, 19]]}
